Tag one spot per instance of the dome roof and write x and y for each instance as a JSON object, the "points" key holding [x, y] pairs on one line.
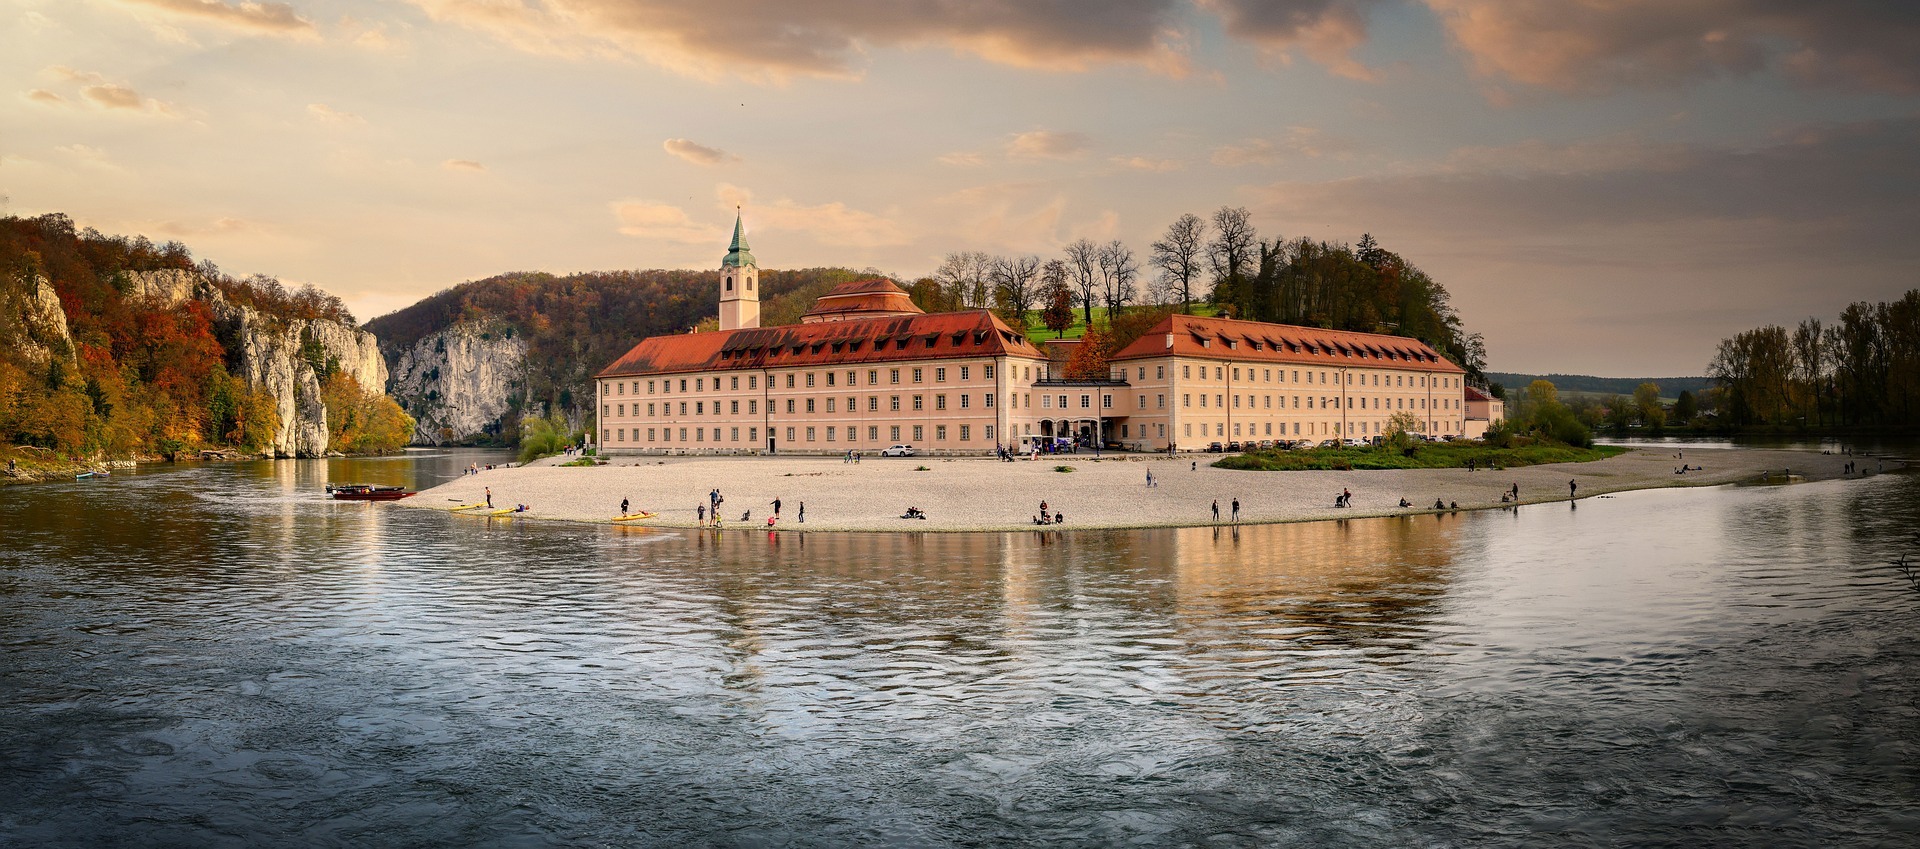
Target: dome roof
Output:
{"points": [[861, 299]]}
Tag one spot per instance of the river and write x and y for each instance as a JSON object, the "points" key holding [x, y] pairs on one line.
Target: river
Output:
{"points": [[218, 656]]}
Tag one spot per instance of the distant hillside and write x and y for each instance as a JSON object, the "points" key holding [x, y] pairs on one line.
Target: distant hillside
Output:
{"points": [[1669, 386], [470, 358]]}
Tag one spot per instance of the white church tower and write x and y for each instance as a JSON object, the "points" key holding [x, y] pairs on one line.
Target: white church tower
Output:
{"points": [[739, 284]]}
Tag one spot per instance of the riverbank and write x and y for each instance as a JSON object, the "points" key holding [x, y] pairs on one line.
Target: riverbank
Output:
{"points": [[982, 494]]}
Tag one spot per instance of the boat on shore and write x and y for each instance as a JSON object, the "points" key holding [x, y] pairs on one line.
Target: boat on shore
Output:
{"points": [[367, 492]]}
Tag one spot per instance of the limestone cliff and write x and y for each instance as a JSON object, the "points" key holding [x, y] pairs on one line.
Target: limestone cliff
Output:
{"points": [[458, 382], [35, 322], [284, 357]]}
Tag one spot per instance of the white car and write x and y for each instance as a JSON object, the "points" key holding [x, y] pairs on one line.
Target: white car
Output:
{"points": [[898, 451]]}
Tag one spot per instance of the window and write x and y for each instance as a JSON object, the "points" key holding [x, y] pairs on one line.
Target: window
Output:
{"points": [[810, 401], [1106, 401], [829, 405], [1086, 402], [650, 436], [830, 430], [700, 434], [1160, 372], [623, 409], [1203, 399], [1046, 401], [1142, 404], [753, 406], [649, 387], [733, 383], [700, 384], [683, 434], [733, 407], [852, 377], [940, 433], [893, 433], [989, 431], [987, 372], [1219, 373], [1063, 402], [873, 433], [939, 402], [919, 402], [919, 433], [853, 403], [1219, 430], [683, 384], [753, 382], [963, 376], [893, 375], [809, 379], [893, 403], [623, 434], [1236, 402], [809, 434], [939, 375], [873, 377], [683, 408], [829, 379], [649, 411], [873, 403], [734, 434], [789, 434], [1236, 372], [1160, 402], [699, 408], [789, 385], [988, 401], [1188, 428], [619, 389], [916, 375], [789, 405], [963, 401], [1186, 371], [1186, 400]]}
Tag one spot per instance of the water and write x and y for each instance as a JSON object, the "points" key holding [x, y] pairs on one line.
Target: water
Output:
{"points": [[219, 657]]}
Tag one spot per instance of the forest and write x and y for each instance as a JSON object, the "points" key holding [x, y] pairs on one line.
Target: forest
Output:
{"points": [[1220, 264], [141, 379], [1861, 370]]}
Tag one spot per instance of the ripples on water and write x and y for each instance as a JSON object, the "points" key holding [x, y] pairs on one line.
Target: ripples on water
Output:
{"points": [[218, 657]]}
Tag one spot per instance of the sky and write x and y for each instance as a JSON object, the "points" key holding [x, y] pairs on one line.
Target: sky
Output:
{"points": [[1605, 186]]}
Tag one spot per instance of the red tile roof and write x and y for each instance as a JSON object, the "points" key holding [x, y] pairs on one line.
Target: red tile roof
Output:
{"points": [[1474, 394], [1225, 338], [976, 333]]}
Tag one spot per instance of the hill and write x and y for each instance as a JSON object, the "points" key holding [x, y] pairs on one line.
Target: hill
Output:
{"points": [[1588, 384]]}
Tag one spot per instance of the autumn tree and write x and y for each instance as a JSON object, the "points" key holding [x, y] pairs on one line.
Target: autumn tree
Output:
{"points": [[1178, 255], [1090, 359], [1057, 314], [1647, 407]]}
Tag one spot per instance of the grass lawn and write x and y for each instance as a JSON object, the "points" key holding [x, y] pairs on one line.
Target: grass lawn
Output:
{"points": [[1443, 455], [1038, 332]]}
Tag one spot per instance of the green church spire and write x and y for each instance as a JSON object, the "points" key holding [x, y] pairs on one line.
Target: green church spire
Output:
{"points": [[738, 254]]}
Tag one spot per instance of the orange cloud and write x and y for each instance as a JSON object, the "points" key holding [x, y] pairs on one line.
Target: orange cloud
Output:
{"points": [[1046, 144], [778, 39], [649, 220], [1326, 30], [697, 153], [1599, 47], [267, 18], [462, 165]]}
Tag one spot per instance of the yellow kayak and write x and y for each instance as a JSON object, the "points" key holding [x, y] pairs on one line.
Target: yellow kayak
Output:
{"points": [[508, 512], [631, 516], [467, 507]]}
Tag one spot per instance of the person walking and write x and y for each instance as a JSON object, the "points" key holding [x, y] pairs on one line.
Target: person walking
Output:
{"points": [[1216, 511], [1572, 488], [1236, 511], [1149, 477], [489, 495], [1196, 466], [803, 512], [701, 512], [1516, 490], [623, 507], [776, 507]]}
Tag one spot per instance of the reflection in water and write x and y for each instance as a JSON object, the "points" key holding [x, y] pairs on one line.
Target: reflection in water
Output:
{"points": [[222, 655]]}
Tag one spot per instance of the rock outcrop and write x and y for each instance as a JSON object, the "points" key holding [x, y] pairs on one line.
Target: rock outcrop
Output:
{"points": [[277, 355], [42, 323], [458, 382]]}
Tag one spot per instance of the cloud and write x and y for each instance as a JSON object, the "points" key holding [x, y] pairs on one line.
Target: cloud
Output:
{"points": [[1306, 142], [1594, 48], [462, 165], [218, 226], [1141, 163], [263, 18], [97, 90], [1326, 30], [1045, 144], [777, 39], [41, 95], [832, 223], [649, 220], [696, 153], [963, 159], [329, 115]]}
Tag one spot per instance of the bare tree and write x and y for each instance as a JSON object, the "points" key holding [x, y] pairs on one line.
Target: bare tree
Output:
{"points": [[1235, 243], [964, 275], [1178, 255], [1083, 263], [1015, 286], [1118, 273]]}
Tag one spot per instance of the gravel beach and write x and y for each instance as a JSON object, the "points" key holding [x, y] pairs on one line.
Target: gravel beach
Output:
{"points": [[984, 494]]}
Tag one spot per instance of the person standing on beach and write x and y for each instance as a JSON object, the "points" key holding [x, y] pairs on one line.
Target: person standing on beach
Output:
{"points": [[489, 495], [1572, 488], [1236, 511], [623, 507], [803, 512], [701, 511], [1216, 511], [1149, 477], [776, 508], [1516, 490], [1196, 466]]}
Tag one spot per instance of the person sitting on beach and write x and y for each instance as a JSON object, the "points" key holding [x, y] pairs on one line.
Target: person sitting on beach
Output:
{"points": [[1453, 505], [1439, 505], [771, 520], [913, 513], [746, 515], [1036, 520], [1504, 499], [1059, 519], [1405, 503]]}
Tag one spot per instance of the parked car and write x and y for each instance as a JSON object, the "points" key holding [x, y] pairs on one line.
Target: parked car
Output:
{"points": [[1329, 443], [1234, 446], [1215, 448], [1303, 445], [898, 451]]}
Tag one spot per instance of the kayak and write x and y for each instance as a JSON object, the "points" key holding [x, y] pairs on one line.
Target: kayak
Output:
{"points": [[85, 475], [467, 507], [631, 516], [507, 512]]}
